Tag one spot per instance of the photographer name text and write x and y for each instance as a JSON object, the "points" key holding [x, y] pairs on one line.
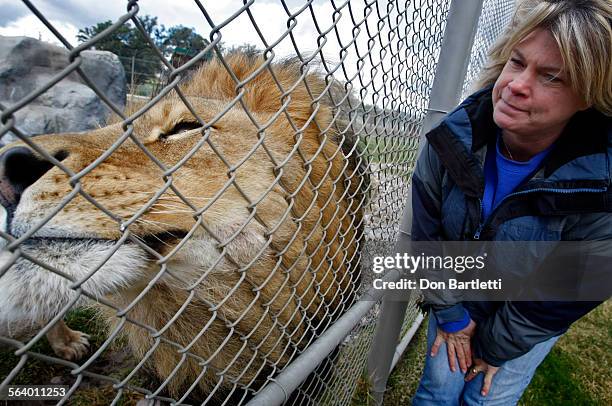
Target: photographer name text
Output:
{"points": [[451, 284]]}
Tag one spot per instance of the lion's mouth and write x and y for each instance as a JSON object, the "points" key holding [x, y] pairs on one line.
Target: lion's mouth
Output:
{"points": [[160, 242], [126, 258], [157, 242]]}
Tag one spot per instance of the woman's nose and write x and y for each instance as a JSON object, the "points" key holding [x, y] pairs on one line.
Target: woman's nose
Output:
{"points": [[521, 84], [20, 168]]}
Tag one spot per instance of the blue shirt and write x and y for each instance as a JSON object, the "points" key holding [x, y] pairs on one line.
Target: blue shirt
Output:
{"points": [[503, 175]]}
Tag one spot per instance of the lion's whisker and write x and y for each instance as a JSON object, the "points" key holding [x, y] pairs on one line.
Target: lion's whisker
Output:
{"points": [[178, 209], [159, 224], [162, 241]]}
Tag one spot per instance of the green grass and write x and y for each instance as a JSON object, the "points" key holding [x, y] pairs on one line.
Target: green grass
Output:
{"points": [[578, 371], [555, 385]]}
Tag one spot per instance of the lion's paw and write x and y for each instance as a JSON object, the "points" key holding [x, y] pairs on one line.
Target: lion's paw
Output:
{"points": [[67, 343]]}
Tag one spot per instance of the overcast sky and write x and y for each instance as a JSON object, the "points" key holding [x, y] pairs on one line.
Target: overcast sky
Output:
{"points": [[68, 16]]}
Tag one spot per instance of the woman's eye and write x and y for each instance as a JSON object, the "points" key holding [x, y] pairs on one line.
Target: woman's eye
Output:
{"points": [[550, 79], [516, 62]]}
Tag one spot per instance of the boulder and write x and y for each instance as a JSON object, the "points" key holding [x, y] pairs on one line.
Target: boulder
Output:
{"points": [[70, 105]]}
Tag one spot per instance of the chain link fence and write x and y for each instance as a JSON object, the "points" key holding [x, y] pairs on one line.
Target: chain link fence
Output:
{"points": [[494, 17], [193, 249]]}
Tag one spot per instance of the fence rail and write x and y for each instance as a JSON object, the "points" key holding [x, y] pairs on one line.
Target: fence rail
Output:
{"points": [[213, 244]]}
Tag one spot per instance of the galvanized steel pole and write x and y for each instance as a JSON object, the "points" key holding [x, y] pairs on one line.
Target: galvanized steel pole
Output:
{"points": [[452, 65], [454, 58]]}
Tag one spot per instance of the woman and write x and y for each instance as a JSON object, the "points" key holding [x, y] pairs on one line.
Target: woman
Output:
{"points": [[517, 161]]}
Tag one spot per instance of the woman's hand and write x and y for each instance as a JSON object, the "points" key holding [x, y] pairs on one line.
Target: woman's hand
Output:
{"points": [[457, 346], [489, 371]]}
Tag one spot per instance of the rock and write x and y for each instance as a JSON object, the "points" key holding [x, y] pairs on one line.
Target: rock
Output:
{"points": [[70, 105], [56, 380]]}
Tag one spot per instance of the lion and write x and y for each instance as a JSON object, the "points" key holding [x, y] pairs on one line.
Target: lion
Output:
{"points": [[219, 237]]}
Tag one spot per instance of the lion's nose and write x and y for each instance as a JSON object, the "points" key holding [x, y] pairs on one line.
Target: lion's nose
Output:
{"points": [[19, 168]]}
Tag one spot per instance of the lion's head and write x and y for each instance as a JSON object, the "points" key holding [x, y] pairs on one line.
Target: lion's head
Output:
{"points": [[225, 230]]}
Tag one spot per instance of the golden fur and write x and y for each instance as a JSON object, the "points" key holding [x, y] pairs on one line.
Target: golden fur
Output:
{"points": [[269, 263]]}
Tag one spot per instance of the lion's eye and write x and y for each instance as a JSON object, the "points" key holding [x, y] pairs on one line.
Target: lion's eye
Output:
{"points": [[181, 127]]}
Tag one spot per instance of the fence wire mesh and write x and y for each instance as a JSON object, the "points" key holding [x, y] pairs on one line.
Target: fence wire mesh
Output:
{"points": [[208, 235]]}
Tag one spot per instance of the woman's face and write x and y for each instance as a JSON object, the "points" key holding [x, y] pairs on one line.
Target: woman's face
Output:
{"points": [[532, 96]]}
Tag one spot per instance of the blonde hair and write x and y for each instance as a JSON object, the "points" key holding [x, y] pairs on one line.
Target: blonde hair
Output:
{"points": [[583, 32]]}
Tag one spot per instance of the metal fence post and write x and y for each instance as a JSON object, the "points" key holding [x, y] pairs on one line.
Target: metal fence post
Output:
{"points": [[459, 33], [388, 328], [132, 90], [453, 62]]}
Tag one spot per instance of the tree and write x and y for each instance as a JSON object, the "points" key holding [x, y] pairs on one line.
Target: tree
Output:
{"points": [[132, 46], [186, 38], [116, 42]]}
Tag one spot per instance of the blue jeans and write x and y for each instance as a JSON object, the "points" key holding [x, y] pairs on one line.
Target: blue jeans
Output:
{"points": [[440, 386]]}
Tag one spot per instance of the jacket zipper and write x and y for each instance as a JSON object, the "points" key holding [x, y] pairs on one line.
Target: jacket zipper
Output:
{"points": [[482, 224], [480, 220]]}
